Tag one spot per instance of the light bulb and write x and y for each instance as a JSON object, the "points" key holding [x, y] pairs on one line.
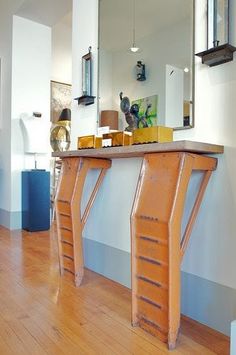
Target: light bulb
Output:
{"points": [[134, 49], [186, 70]]}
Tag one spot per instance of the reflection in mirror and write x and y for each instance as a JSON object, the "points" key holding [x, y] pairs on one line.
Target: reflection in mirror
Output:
{"points": [[160, 71]]}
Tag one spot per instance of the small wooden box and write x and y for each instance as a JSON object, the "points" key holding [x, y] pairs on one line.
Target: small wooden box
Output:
{"points": [[119, 138], [159, 134], [92, 141]]}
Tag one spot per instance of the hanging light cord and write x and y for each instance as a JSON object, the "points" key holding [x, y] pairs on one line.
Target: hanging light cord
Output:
{"points": [[134, 48], [134, 23]]}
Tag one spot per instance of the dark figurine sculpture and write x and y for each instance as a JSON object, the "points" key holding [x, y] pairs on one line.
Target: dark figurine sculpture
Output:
{"points": [[131, 119], [141, 121], [140, 69]]}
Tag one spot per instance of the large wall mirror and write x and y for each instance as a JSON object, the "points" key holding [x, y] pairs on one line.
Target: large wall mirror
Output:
{"points": [[146, 51]]}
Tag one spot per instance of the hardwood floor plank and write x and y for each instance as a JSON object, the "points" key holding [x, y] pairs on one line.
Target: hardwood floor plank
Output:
{"points": [[12, 340], [41, 313], [205, 336]]}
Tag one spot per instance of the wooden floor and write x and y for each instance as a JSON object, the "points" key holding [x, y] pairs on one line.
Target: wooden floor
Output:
{"points": [[40, 313]]}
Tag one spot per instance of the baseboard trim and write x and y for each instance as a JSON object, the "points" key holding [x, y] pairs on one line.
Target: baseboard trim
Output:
{"points": [[10, 220], [108, 261], [208, 302], [205, 301]]}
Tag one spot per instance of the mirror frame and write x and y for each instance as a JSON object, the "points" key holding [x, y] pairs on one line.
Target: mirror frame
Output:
{"points": [[193, 70]]}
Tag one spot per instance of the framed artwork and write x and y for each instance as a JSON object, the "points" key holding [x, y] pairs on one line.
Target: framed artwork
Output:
{"points": [[148, 108], [61, 97]]}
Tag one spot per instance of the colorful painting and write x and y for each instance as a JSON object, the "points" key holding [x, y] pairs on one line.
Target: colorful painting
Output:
{"points": [[147, 112], [60, 99]]}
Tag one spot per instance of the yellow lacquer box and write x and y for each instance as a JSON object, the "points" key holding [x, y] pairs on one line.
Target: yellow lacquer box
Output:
{"points": [[159, 134], [91, 141], [119, 138]]}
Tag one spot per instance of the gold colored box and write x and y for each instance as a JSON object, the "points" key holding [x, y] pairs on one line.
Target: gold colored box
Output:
{"points": [[159, 134], [89, 142], [119, 138]]}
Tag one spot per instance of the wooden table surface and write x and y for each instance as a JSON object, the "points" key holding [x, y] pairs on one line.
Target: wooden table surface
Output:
{"points": [[141, 149]]}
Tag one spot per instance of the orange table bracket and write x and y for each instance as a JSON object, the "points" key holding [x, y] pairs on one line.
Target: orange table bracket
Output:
{"points": [[156, 218], [70, 223], [157, 246]]}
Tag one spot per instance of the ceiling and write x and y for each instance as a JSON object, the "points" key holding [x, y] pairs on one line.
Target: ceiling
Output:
{"points": [[116, 19], [46, 12]]}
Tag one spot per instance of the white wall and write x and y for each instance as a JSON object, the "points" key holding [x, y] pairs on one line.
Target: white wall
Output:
{"points": [[211, 253], [211, 250], [84, 34], [25, 83], [62, 50], [7, 9], [31, 72]]}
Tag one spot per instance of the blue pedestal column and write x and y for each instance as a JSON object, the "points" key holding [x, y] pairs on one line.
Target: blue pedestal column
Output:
{"points": [[35, 200]]}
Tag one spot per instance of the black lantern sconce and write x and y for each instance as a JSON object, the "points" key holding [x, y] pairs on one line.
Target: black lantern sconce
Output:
{"points": [[140, 71], [219, 50], [86, 98]]}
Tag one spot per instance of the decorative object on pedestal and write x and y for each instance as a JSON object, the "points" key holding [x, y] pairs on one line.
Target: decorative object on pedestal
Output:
{"points": [[219, 50], [140, 71], [109, 118], [60, 133], [87, 98], [36, 182], [35, 135]]}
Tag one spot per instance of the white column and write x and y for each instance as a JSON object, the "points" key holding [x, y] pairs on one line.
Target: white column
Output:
{"points": [[84, 34]]}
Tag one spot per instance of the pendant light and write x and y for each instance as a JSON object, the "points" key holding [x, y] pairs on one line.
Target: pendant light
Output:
{"points": [[134, 48]]}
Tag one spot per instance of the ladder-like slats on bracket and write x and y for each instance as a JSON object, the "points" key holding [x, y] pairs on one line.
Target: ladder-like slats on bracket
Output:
{"points": [[152, 275], [156, 242], [68, 199]]}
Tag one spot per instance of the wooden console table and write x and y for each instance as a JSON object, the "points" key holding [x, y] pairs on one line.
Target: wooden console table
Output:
{"points": [[157, 244]]}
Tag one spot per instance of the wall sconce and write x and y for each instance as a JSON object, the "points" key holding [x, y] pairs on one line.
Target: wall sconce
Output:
{"points": [[140, 71], [86, 98], [219, 50]]}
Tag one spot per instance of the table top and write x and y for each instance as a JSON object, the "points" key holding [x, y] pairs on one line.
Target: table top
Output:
{"points": [[140, 149]]}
